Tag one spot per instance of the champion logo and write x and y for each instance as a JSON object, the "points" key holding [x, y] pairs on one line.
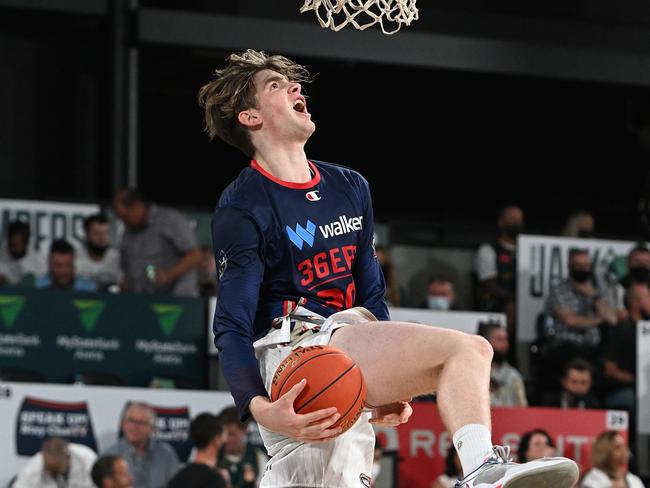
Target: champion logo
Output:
{"points": [[312, 196], [302, 235]]}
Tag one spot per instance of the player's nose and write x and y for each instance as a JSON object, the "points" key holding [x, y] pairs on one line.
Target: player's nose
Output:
{"points": [[294, 88]]}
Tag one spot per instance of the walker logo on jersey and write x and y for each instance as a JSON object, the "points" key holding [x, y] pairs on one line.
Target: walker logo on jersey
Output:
{"points": [[10, 307], [312, 196], [344, 225], [302, 235], [168, 316], [89, 312], [38, 419]]}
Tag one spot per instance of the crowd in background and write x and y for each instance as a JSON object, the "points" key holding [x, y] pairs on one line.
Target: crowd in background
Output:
{"points": [[584, 355], [226, 454], [158, 254]]}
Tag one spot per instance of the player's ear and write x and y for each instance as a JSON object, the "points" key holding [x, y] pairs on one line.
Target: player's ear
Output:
{"points": [[250, 118]]}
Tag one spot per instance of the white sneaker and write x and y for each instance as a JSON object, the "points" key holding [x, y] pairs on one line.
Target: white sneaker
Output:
{"points": [[497, 471]]}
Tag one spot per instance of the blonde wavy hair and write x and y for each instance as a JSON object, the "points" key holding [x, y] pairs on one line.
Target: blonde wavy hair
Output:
{"points": [[233, 91]]}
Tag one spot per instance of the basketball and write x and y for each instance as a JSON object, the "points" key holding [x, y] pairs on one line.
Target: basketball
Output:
{"points": [[333, 380]]}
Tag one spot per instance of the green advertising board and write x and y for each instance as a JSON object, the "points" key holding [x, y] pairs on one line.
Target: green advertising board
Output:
{"points": [[133, 337]]}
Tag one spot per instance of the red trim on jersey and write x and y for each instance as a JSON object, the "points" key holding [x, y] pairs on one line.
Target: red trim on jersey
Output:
{"points": [[296, 186]]}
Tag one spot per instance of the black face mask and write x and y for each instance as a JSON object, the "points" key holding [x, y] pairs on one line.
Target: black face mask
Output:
{"points": [[499, 357], [640, 274], [585, 233], [95, 249], [645, 315], [513, 230], [580, 275], [19, 255]]}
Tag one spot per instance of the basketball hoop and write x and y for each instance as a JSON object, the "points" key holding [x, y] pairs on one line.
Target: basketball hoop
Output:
{"points": [[361, 14]]}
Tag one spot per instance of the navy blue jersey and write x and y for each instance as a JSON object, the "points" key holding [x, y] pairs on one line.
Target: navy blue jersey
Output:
{"points": [[277, 242]]}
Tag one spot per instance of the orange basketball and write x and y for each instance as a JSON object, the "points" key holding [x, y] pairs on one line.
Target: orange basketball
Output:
{"points": [[333, 380]]}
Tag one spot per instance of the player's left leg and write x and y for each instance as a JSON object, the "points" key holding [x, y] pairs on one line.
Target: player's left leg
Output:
{"points": [[401, 360]]}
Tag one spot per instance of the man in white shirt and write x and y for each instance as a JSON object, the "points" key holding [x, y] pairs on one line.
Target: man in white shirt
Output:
{"points": [[18, 264], [96, 260], [58, 465]]}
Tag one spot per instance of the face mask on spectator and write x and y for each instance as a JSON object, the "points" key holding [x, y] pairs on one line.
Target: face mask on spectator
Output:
{"points": [[580, 275], [19, 255], [499, 357], [513, 230], [95, 249], [438, 303], [585, 233], [640, 274]]}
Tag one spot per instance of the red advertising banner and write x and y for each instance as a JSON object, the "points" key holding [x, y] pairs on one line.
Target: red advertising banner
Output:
{"points": [[423, 441]]}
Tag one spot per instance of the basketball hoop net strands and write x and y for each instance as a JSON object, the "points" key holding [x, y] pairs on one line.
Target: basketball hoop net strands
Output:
{"points": [[361, 14]]}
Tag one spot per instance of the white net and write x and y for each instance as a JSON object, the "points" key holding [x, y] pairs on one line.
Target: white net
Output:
{"points": [[389, 14]]}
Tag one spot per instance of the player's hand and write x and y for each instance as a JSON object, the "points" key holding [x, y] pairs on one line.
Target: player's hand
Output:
{"points": [[392, 415], [280, 417]]}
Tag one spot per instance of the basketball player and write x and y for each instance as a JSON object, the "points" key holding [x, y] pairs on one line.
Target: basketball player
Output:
{"points": [[293, 240]]}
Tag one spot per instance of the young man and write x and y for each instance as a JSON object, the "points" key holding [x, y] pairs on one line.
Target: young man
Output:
{"points": [[207, 434], [293, 239], [111, 472]]}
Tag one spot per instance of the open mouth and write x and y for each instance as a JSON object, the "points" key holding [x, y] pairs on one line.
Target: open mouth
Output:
{"points": [[300, 106]]}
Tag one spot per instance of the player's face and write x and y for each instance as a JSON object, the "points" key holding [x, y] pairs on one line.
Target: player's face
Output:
{"points": [[282, 107]]}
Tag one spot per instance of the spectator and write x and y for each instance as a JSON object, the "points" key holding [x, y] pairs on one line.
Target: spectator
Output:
{"points": [[207, 434], [207, 271], [535, 444], [578, 310], [19, 265], [244, 462], [496, 266], [159, 250], [453, 471], [58, 465], [152, 463], [638, 271], [388, 270], [96, 260], [580, 224], [440, 295], [506, 384], [112, 472], [576, 387], [609, 457], [620, 359], [61, 275]]}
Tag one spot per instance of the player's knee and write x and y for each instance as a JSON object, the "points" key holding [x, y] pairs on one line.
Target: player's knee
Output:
{"points": [[480, 345]]}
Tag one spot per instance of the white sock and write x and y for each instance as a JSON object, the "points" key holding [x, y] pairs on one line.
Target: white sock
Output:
{"points": [[473, 443]]}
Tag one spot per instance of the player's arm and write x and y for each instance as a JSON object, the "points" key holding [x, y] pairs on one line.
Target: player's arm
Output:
{"points": [[238, 248], [368, 278]]}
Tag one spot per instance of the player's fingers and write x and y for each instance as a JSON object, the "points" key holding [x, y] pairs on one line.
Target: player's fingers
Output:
{"points": [[293, 393], [390, 419], [315, 429], [318, 415], [323, 436]]}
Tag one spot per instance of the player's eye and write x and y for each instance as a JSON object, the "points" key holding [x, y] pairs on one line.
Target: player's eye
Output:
{"points": [[274, 85]]}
